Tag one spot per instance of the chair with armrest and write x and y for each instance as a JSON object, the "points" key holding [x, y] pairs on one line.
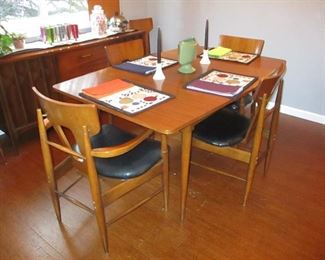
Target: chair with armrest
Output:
{"points": [[246, 45], [143, 24], [239, 137], [113, 161], [121, 52]]}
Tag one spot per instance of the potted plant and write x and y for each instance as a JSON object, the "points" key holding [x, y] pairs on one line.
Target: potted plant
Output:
{"points": [[5, 41], [18, 40]]}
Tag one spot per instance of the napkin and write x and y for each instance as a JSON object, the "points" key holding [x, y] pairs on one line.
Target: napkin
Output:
{"points": [[107, 88], [219, 51]]}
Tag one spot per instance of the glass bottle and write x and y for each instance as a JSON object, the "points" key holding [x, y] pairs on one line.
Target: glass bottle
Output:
{"points": [[98, 21]]}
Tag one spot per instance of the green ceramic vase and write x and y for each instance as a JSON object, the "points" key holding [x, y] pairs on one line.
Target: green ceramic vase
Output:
{"points": [[186, 55]]}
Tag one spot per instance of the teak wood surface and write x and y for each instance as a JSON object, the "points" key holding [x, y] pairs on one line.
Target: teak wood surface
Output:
{"points": [[179, 114]]}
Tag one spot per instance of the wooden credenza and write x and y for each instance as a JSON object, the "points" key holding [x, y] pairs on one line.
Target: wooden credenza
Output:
{"points": [[43, 68]]}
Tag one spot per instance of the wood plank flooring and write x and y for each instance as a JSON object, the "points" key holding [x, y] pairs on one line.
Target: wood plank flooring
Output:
{"points": [[284, 218]]}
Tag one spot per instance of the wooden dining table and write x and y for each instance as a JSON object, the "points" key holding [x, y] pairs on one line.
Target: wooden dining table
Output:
{"points": [[179, 114]]}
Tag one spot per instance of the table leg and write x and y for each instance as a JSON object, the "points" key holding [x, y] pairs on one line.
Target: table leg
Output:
{"points": [[186, 154]]}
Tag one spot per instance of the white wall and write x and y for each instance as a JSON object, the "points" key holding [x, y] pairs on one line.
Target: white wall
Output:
{"points": [[133, 9], [293, 30]]}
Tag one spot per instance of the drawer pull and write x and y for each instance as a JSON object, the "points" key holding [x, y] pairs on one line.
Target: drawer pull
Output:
{"points": [[86, 56]]}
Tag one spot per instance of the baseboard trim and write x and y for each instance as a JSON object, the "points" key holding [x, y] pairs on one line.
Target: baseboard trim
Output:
{"points": [[303, 114]]}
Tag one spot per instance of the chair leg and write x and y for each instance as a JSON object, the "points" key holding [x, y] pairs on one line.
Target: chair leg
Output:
{"points": [[250, 178], [98, 207], [165, 179], [53, 191], [268, 154], [56, 202], [52, 183], [48, 165], [271, 139], [273, 127], [100, 217], [95, 192], [256, 148]]}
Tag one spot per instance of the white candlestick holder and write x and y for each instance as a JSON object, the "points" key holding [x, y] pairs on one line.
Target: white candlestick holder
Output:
{"points": [[159, 75], [205, 57]]}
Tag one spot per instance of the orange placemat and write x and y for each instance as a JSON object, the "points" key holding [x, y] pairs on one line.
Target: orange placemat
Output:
{"points": [[125, 96]]}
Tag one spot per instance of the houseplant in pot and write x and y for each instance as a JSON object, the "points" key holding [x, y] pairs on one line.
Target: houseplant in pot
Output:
{"points": [[18, 40]]}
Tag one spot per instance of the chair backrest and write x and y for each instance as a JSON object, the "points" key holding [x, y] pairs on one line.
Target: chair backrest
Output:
{"points": [[241, 44], [269, 85], [120, 52], [264, 92], [144, 24], [74, 117]]}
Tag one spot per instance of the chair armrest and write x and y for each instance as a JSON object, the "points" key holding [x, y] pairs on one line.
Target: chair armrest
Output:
{"points": [[112, 151]]}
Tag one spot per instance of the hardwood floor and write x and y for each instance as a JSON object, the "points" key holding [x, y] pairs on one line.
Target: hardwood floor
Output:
{"points": [[284, 217]]}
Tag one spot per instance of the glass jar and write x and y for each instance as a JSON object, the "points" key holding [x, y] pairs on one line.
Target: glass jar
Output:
{"points": [[98, 21]]}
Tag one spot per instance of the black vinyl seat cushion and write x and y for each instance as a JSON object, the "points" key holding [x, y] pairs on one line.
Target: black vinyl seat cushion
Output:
{"points": [[223, 128], [129, 165]]}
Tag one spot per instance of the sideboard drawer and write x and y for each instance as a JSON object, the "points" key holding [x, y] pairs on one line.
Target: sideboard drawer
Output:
{"points": [[78, 62]]}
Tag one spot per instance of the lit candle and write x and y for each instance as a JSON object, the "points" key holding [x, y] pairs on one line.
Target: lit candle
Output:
{"points": [[159, 46], [206, 36]]}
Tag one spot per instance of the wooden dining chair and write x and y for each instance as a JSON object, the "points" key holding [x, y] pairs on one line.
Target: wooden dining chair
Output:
{"points": [[113, 161], [239, 137], [246, 45], [242, 44], [146, 25], [120, 52]]}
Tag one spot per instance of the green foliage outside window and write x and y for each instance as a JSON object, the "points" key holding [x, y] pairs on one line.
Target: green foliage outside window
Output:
{"points": [[30, 8], [18, 8]]}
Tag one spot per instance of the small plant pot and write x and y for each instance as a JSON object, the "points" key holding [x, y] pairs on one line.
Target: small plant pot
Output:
{"points": [[19, 43]]}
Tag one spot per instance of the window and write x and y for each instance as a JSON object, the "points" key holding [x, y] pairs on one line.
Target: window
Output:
{"points": [[27, 16]]}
